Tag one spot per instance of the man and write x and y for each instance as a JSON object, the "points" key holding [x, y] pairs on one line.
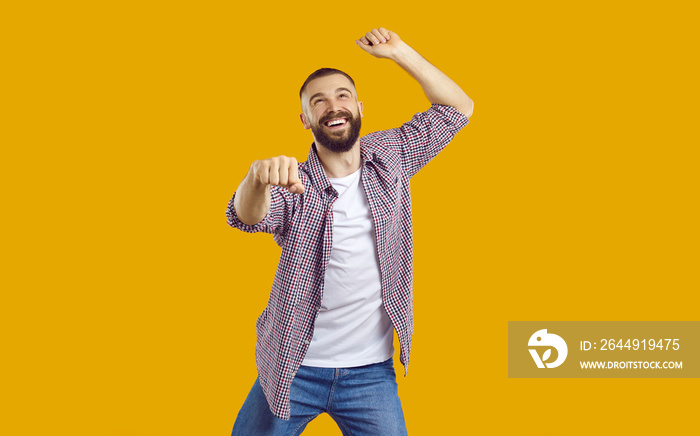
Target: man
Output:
{"points": [[344, 281]]}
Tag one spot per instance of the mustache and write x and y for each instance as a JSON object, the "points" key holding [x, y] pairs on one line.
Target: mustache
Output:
{"points": [[340, 114]]}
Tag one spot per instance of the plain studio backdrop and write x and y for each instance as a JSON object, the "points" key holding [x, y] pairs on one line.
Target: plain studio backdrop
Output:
{"points": [[129, 306]]}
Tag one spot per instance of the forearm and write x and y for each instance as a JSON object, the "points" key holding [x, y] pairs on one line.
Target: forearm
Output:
{"points": [[252, 200], [439, 88]]}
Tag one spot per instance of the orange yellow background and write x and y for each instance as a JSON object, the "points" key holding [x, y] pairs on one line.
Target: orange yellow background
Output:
{"points": [[128, 305]]}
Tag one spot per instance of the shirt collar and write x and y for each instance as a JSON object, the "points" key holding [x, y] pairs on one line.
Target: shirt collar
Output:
{"points": [[314, 167]]}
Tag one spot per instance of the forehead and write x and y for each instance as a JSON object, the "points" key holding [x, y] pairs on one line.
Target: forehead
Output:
{"points": [[327, 85]]}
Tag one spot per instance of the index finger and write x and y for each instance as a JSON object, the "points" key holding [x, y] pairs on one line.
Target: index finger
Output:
{"points": [[293, 171], [294, 176], [385, 33]]}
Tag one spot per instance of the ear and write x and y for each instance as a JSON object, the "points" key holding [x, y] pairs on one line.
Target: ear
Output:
{"points": [[359, 104], [305, 121]]}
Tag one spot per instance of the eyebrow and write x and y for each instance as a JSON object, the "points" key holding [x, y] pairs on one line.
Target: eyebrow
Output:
{"points": [[319, 94]]}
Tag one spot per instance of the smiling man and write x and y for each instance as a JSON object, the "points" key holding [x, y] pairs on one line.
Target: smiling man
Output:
{"points": [[333, 89], [344, 281]]}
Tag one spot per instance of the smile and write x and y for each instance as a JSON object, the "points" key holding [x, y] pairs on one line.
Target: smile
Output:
{"points": [[336, 122]]}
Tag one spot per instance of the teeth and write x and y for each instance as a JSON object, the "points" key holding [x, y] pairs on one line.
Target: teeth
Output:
{"points": [[335, 122]]}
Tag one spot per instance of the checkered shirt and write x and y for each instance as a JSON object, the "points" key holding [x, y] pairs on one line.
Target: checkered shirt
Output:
{"points": [[303, 226]]}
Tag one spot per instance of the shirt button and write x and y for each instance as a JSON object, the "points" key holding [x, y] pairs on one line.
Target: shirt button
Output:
{"points": [[306, 342]]}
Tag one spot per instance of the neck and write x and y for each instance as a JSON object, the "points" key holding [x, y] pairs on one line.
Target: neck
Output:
{"points": [[338, 165]]}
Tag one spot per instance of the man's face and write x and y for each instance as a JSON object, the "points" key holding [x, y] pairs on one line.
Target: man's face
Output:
{"points": [[332, 112]]}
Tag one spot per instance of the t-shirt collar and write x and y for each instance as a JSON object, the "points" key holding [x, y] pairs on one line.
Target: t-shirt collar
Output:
{"points": [[317, 174]]}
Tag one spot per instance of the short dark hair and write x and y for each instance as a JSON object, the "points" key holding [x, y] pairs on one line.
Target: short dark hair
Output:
{"points": [[323, 72]]}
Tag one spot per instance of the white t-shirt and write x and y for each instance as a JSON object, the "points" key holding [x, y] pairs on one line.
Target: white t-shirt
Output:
{"points": [[352, 327]]}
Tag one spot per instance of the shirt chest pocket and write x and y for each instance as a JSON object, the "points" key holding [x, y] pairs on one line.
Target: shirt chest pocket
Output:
{"points": [[388, 196]]}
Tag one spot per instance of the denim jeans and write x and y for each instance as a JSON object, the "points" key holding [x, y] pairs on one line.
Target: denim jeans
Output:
{"points": [[363, 401]]}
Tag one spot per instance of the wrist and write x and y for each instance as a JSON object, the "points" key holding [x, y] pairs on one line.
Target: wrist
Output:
{"points": [[402, 54], [253, 181]]}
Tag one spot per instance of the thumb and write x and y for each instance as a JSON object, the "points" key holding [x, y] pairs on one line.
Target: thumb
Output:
{"points": [[296, 188]]}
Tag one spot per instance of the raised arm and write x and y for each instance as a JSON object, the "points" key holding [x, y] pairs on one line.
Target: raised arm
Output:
{"points": [[439, 88]]}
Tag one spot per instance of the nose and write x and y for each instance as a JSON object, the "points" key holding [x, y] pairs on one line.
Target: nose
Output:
{"points": [[334, 105]]}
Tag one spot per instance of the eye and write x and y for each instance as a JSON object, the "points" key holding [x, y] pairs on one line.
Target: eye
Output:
{"points": [[344, 95]]}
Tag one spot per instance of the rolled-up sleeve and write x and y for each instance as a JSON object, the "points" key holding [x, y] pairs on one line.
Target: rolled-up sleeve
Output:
{"points": [[426, 135], [276, 220]]}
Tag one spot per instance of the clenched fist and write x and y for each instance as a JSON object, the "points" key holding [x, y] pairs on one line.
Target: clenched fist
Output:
{"points": [[280, 171], [380, 43]]}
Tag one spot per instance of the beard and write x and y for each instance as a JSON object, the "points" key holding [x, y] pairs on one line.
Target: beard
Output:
{"points": [[339, 141]]}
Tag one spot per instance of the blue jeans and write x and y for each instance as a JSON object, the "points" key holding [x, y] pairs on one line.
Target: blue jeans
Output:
{"points": [[363, 401]]}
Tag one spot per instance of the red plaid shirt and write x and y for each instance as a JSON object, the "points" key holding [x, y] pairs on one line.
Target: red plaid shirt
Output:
{"points": [[303, 226]]}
